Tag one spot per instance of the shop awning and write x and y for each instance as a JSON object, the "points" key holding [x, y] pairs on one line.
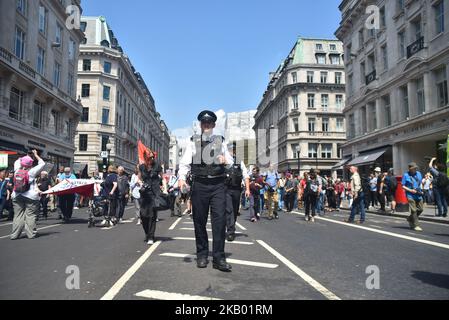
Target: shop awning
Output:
{"points": [[367, 158], [11, 146], [341, 164]]}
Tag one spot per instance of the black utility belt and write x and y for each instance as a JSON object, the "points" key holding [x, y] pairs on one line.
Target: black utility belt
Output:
{"points": [[209, 179]]}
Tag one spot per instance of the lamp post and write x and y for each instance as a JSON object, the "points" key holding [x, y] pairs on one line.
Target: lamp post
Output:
{"points": [[317, 151], [298, 152], [109, 147]]}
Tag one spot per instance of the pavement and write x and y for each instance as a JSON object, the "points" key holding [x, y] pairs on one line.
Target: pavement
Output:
{"points": [[429, 214], [285, 259]]}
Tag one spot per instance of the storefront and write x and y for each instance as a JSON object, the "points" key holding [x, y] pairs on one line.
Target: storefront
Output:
{"points": [[367, 161]]}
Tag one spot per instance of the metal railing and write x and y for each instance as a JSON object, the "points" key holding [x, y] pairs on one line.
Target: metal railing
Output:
{"points": [[415, 47]]}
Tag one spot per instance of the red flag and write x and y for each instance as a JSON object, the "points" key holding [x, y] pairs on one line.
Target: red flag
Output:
{"points": [[145, 152]]}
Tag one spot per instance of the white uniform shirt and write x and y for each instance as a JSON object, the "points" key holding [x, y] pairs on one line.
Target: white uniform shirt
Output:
{"points": [[186, 160], [135, 187]]}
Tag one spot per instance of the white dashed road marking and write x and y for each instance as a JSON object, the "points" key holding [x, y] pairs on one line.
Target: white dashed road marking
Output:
{"points": [[234, 261], [315, 284], [128, 274], [161, 295], [173, 226], [210, 240]]}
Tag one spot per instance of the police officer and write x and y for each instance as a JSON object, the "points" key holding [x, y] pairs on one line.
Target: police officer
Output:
{"points": [[234, 179], [207, 158]]}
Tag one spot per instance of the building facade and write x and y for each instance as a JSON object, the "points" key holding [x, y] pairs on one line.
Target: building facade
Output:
{"points": [[38, 72], [118, 109], [174, 154], [397, 94], [304, 103], [239, 129]]}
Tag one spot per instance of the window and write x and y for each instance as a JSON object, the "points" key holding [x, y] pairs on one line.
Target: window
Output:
{"points": [[371, 62], [295, 102], [311, 124], [439, 17], [350, 84], [40, 61], [400, 5], [339, 102], [362, 72], [335, 60], [83, 26], [416, 29], [441, 82], [310, 75], [16, 104], [21, 6], [387, 110], [42, 19], [311, 101], [363, 126], [70, 83], [55, 116], [296, 124], [57, 74], [295, 152], [382, 17], [321, 58], [325, 125], [37, 114], [83, 142], [105, 43], [420, 96], [351, 132], [72, 49], [105, 116], [401, 43], [313, 152], [319, 47], [294, 77], [361, 38], [338, 76], [85, 115], [326, 151], [58, 37], [107, 67], [373, 117], [19, 48], [106, 93], [340, 125], [104, 142], [323, 77], [405, 105], [385, 57], [87, 65], [85, 90], [333, 47], [324, 101]]}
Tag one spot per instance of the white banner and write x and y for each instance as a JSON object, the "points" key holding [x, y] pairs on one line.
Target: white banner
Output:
{"points": [[80, 186]]}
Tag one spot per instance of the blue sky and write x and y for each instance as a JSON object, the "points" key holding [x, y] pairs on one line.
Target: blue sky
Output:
{"points": [[213, 54]]}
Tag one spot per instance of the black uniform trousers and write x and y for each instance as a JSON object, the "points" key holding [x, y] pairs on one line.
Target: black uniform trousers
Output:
{"points": [[66, 203], [209, 194], [233, 196]]}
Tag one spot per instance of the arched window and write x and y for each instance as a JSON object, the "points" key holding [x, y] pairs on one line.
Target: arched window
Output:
{"points": [[105, 43]]}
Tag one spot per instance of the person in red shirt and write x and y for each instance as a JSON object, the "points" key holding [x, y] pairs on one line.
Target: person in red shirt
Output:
{"points": [[339, 192]]}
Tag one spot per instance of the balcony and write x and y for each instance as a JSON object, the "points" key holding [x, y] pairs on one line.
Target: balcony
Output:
{"points": [[415, 47], [31, 75], [370, 77]]}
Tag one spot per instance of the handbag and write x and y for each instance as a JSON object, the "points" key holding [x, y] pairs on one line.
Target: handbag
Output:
{"points": [[161, 202]]}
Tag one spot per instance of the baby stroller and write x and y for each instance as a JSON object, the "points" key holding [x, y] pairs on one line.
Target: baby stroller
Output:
{"points": [[95, 210]]}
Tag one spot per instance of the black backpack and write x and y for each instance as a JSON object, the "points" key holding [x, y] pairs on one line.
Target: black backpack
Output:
{"points": [[442, 181]]}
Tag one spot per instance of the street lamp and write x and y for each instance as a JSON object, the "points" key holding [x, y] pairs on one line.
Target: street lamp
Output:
{"points": [[298, 152], [109, 147], [317, 149]]}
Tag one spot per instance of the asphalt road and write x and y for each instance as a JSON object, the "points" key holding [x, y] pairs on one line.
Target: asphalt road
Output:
{"points": [[286, 259]]}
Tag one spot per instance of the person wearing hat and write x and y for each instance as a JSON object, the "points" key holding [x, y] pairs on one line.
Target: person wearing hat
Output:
{"points": [[207, 159], [26, 196], [235, 176], [411, 183], [291, 188]]}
